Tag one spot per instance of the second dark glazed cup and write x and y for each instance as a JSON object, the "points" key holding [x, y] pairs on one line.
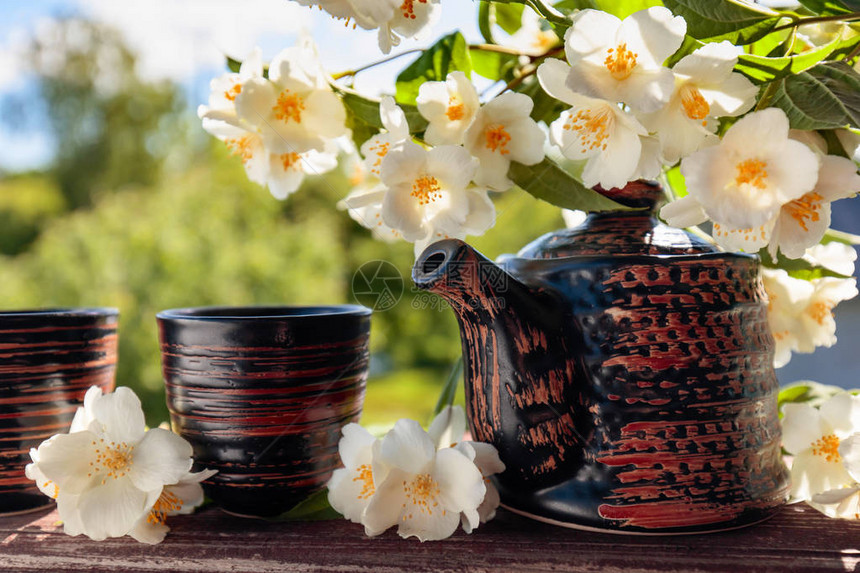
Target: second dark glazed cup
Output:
{"points": [[48, 360], [262, 394]]}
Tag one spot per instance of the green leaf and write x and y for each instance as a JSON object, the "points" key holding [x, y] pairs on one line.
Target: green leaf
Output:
{"points": [[797, 268], [568, 6], [314, 508], [367, 110], [233, 65], [449, 54], [824, 97], [449, 391], [761, 69], [546, 108], [547, 11], [688, 46], [549, 182], [509, 17], [626, 7], [717, 20], [493, 65], [484, 22], [677, 182], [363, 115], [825, 7], [806, 391]]}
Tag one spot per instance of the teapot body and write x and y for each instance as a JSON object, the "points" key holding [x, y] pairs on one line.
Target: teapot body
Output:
{"points": [[624, 371], [677, 397]]}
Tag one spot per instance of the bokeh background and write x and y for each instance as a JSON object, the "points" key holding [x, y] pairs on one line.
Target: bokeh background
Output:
{"points": [[111, 194]]}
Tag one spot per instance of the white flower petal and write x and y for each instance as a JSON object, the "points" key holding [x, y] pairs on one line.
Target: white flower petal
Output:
{"points": [[385, 506], [149, 533], [812, 474], [354, 446], [849, 451], [731, 97], [590, 33], [435, 526], [112, 509], [399, 212], [833, 496], [683, 212], [121, 415], [347, 494], [393, 118], [448, 427], [67, 509], [801, 426], [460, 482], [66, 459], [482, 212], [552, 75], [408, 447], [842, 413], [712, 63], [161, 458], [452, 165], [654, 33]]}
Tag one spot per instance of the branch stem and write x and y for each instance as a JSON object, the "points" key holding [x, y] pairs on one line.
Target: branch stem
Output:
{"points": [[348, 73], [819, 19]]}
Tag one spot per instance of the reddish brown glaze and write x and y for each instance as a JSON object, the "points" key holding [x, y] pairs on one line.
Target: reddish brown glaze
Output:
{"points": [[48, 360], [262, 395], [624, 371]]}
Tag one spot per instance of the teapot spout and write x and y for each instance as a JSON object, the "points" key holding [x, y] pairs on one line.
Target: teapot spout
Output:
{"points": [[521, 355], [464, 277]]}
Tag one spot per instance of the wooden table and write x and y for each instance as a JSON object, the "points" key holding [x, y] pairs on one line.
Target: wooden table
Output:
{"points": [[798, 539]]}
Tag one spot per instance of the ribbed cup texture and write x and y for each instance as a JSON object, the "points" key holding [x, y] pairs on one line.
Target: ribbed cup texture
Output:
{"points": [[262, 395], [48, 360]]}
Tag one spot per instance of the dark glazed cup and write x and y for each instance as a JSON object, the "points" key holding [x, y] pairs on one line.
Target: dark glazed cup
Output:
{"points": [[48, 360], [262, 394]]}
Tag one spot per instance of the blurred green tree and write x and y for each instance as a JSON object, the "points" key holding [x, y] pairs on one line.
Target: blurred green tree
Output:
{"points": [[111, 129], [201, 234]]}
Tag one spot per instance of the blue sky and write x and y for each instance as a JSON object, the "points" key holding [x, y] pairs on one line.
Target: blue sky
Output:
{"points": [[185, 41]]}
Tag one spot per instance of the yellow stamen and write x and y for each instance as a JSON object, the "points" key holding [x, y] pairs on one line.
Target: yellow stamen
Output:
{"points": [[408, 8], [752, 172], [805, 208], [544, 40], [422, 493], [166, 503], [456, 110], [290, 161], [426, 189], [289, 107], [820, 311], [498, 139], [593, 127], [620, 61], [380, 150], [365, 476], [694, 104], [233, 92], [115, 458], [827, 447], [242, 147]]}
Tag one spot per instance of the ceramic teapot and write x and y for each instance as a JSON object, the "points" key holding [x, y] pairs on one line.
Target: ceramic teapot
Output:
{"points": [[624, 371]]}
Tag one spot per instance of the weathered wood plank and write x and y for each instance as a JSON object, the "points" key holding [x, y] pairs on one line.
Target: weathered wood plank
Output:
{"points": [[796, 540]]}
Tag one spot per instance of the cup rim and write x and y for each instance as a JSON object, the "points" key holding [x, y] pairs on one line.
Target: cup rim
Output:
{"points": [[263, 312], [60, 312]]}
